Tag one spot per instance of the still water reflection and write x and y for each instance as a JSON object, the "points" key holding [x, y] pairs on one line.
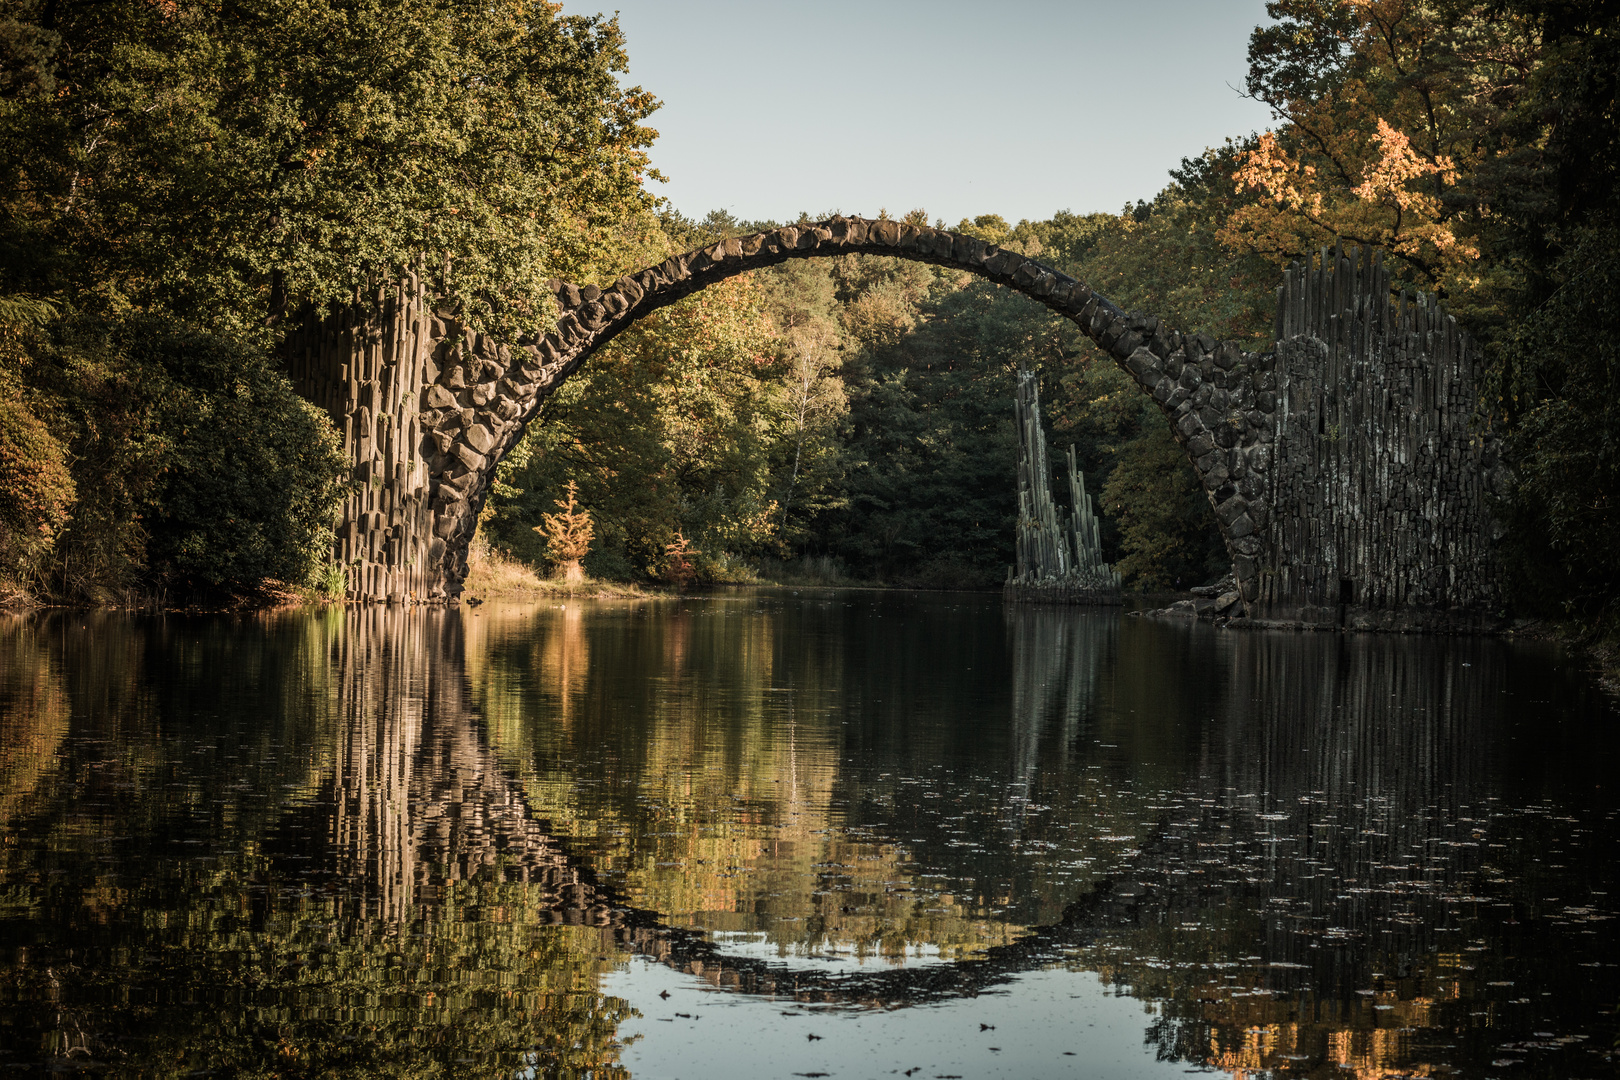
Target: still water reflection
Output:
{"points": [[815, 833]]}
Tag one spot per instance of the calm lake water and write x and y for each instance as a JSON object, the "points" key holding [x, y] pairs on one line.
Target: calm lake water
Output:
{"points": [[812, 833]]}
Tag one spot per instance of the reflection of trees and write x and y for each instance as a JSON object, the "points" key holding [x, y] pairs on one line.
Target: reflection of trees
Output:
{"points": [[769, 775], [719, 737], [1318, 896], [33, 712], [426, 941]]}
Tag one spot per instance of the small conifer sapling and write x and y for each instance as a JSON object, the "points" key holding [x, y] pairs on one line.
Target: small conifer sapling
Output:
{"points": [[568, 536]]}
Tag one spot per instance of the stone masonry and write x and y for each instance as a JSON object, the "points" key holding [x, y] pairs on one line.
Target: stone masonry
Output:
{"points": [[428, 407]]}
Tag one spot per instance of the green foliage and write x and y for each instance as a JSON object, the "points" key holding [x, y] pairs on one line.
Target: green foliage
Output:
{"points": [[1566, 511], [197, 469], [331, 582], [176, 178], [1166, 533], [224, 162], [667, 432], [36, 490], [929, 440], [36, 487], [250, 485], [1557, 375]]}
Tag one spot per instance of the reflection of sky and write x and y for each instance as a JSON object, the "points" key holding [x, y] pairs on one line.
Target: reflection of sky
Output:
{"points": [[827, 954], [1036, 1019]]}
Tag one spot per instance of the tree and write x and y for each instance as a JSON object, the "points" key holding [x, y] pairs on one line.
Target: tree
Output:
{"points": [[223, 163], [192, 173], [669, 430], [568, 536], [1391, 109]]}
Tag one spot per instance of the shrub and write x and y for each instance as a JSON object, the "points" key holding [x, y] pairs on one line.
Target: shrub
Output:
{"points": [[253, 476], [36, 490]]}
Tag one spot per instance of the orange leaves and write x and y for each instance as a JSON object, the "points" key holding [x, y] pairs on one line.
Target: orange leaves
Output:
{"points": [[1383, 136], [1387, 177], [1379, 191], [1270, 170]]}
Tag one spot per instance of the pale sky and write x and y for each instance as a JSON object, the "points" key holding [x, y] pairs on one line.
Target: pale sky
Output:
{"points": [[1019, 108]]}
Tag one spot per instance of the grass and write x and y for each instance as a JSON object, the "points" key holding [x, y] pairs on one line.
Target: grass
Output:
{"points": [[495, 575]]}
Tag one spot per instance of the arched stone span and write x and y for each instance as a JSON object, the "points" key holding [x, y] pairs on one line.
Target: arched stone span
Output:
{"points": [[426, 459]]}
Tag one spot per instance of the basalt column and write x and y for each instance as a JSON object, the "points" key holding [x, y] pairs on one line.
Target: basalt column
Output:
{"points": [[1381, 475], [366, 365]]}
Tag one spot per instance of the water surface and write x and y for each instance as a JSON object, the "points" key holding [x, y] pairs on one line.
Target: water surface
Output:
{"points": [[797, 833]]}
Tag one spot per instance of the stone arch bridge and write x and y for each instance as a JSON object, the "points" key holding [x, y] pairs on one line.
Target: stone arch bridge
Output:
{"points": [[1347, 480]]}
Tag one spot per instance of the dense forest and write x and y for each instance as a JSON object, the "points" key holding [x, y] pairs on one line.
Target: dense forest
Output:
{"points": [[177, 180]]}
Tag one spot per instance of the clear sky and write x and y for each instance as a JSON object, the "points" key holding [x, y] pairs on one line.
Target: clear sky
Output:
{"points": [[1019, 108]]}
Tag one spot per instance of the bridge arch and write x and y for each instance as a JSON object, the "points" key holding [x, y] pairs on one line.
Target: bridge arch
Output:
{"points": [[430, 407]]}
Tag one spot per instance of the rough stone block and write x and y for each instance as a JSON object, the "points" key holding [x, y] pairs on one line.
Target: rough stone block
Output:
{"points": [[480, 438], [437, 397], [570, 330], [1003, 263], [1144, 365], [1126, 344]]}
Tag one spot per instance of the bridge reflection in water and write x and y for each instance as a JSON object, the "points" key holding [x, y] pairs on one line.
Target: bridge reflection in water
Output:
{"points": [[427, 837]]}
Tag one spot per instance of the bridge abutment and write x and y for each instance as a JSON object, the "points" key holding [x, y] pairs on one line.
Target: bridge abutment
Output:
{"points": [[1381, 478], [366, 364]]}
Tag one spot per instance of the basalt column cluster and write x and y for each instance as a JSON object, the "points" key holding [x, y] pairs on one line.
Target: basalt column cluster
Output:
{"points": [[365, 365], [1383, 477]]}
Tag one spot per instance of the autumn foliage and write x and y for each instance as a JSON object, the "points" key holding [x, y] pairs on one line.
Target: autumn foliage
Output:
{"points": [[568, 535]]}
